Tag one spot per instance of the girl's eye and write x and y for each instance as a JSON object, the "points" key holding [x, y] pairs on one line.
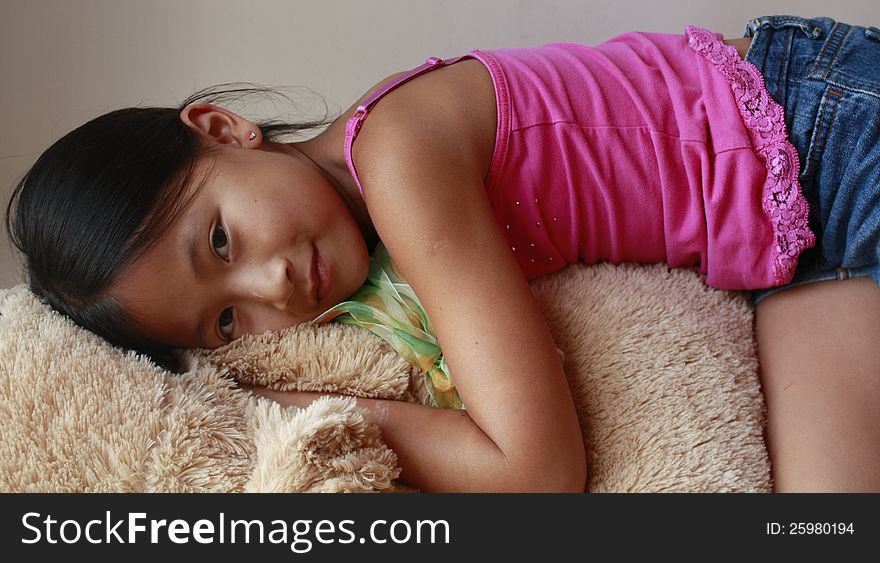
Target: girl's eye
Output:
{"points": [[225, 323], [219, 241]]}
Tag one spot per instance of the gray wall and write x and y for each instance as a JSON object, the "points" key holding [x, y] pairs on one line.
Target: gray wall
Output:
{"points": [[65, 62]]}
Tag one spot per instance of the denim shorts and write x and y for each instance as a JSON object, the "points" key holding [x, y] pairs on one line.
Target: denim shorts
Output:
{"points": [[826, 75]]}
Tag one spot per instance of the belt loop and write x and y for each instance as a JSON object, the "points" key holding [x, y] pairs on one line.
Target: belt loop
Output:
{"points": [[752, 26], [830, 50]]}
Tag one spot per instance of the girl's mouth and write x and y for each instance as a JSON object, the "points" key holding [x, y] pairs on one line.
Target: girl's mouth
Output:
{"points": [[325, 277]]}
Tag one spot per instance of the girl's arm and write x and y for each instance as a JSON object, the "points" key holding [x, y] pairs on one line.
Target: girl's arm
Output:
{"points": [[424, 190], [437, 449]]}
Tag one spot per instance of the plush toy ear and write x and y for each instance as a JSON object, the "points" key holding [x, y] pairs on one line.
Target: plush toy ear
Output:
{"points": [[327, 447], [333, 358]]}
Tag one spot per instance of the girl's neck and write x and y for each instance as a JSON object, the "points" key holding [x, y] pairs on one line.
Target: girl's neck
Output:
{"points": [[326, 152]]}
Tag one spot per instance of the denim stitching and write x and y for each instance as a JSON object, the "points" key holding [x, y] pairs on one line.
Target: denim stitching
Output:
{"points": [[837, 52], [830, 123], [852, 83], [832, 37], [823, 126], [786, 75], [808, 165], [807, 26], [821, 70], [825, 71]]}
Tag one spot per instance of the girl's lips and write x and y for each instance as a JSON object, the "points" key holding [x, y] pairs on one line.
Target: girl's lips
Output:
{"points": [[314, 276], [325, 277]]}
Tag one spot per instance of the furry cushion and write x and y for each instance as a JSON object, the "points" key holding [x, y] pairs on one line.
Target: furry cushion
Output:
{"points": [[77, 415], [662, 368]]}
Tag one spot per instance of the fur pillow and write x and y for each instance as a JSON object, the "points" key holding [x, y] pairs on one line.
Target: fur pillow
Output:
{"points": [[78, 415], [662, 369]]}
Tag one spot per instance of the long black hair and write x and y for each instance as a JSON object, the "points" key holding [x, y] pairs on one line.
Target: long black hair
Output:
{"points": [[100, 197]]}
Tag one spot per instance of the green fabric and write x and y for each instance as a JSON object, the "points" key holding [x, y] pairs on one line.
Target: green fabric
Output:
{"points": [[387, 306]]}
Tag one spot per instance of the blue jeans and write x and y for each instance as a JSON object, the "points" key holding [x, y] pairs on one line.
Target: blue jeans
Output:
{"points": [[826, 75]]}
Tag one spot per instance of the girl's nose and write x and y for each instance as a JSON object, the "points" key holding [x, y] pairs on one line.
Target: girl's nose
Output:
{"points": [[269, 282]]}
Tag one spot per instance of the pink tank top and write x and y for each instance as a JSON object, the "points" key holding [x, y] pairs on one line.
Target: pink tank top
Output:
{"points": [[646, 148]]}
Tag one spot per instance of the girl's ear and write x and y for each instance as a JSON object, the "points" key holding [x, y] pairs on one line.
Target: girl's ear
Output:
{"points": [[221, 125]]}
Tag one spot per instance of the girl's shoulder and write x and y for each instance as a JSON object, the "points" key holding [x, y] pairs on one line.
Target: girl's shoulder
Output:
{"points": [[452, 104]]}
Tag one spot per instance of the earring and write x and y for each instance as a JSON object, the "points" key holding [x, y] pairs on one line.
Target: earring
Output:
{"points": [[252, 135]]}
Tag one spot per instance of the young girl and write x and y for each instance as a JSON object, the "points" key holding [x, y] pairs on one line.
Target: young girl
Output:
{"points": [[756, 159]]}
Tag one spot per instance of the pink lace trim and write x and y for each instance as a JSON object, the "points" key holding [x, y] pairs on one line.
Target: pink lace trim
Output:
{"points": [[782, 199]]}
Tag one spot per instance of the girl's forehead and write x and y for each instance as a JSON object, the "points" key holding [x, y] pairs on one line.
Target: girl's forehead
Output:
{"points": [[199, 178]]}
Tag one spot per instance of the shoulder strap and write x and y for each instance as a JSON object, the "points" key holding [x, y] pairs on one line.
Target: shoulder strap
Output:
{"points": [[354, 123]]}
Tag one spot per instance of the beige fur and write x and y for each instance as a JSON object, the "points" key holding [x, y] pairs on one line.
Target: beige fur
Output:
{"points": [[662, 368]]}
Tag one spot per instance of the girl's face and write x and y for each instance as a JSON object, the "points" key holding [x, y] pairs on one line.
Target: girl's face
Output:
{"points": [[266, 244]]}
